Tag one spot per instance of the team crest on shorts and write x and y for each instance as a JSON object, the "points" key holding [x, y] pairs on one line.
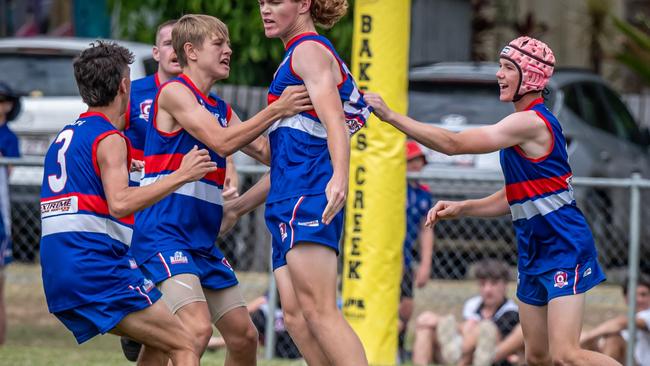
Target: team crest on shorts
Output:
{"points": [[178, 258], [225, 262], [147, 285], [560, 278], [132, 263], [283, 231]]}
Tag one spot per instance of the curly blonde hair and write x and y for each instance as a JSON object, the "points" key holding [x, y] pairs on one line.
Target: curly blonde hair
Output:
{"points": [[327, 12]]}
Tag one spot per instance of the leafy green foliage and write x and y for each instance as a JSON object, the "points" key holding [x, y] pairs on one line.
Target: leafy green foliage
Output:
{"points": [[255, 57], [635, 52]]}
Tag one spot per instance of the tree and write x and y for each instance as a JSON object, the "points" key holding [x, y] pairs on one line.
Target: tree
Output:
{"points": [[635, 53], [597, 13], [254, 58]]}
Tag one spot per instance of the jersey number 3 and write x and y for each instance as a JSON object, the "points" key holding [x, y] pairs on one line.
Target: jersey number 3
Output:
{"points": [[58, 183]]}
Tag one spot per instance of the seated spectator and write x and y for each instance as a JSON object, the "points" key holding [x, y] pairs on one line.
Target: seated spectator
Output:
{"points": [[489, 334], [611, 336], [259, 311]]}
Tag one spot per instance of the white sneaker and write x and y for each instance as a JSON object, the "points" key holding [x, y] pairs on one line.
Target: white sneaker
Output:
{"points": [[449, 339], [486, 344]]}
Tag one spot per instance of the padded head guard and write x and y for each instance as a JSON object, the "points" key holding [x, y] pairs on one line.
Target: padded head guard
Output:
{"points": [[535, 62]]}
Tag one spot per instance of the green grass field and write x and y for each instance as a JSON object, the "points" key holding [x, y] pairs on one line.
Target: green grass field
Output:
{"points": [[35, 337]]}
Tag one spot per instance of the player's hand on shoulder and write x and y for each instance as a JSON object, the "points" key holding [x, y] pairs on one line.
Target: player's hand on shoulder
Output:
{"points": [[380, 108], [294, 99], [443, 210], [137, 165], [196, 164]]}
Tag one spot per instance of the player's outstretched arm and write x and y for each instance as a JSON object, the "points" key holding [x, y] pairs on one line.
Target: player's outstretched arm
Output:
{"points": [[124, 200], [259, 149], [314, 64], [514, 129], [231, 182], [493, 205], [426, 239], [179, 102], [247, 202]]}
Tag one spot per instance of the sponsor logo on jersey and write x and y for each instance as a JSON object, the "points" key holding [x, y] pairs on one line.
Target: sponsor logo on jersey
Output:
{"points": [[59, 206], [560, 279], [587, 272], [178, 258], [132, 263]]}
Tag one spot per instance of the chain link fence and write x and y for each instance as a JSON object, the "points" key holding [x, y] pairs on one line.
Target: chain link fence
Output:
{"points": [[458, 244]]}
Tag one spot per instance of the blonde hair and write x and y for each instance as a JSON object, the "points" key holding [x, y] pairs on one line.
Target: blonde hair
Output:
{"points": [[327, 12], [194, 29]]}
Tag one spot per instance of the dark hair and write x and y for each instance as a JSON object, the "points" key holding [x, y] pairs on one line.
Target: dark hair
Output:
{"points": [[99, 70], [492, 269], [643, 280], [162, 25]]}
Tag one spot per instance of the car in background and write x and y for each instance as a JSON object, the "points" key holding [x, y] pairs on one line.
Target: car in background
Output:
{"points": [[41, 69], [603, 140]]}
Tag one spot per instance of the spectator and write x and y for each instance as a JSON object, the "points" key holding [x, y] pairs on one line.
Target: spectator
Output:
{"points": [[418, 203], [9, 109], [611, 336], [490, 331], [259, 311]]}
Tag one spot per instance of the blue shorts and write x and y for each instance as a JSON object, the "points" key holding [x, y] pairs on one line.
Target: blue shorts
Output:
{"points": [[539, 289], [100, 316], [297, 220], [212, 269]]}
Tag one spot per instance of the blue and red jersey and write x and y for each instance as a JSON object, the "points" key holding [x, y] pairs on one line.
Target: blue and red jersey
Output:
{"points": [[418, 203], [189, 218], [300, 160], [551, 231], [81, 242], [143, 92]]}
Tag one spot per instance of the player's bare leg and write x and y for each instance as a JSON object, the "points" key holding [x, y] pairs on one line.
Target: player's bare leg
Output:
{"points": [[159, 330], [240, 335], [565, 316], [534, 321], [295, 322], [312, 268], [193, 317]]}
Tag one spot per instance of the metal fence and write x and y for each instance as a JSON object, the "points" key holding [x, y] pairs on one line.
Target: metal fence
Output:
{"points": [[614, 208]]}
